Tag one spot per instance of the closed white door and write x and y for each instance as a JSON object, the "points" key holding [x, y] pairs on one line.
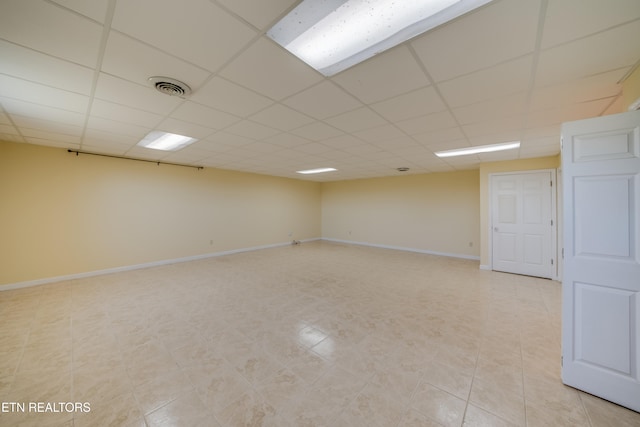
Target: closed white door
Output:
{"points": [[601, 276], [521, 223]]}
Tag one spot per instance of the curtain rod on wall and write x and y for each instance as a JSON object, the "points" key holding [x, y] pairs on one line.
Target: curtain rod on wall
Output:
{"points": [[131, 158]]}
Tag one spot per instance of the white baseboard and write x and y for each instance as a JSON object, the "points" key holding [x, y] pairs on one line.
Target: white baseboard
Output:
{"points": [[29, 283], [485, 267], [401, 248]]}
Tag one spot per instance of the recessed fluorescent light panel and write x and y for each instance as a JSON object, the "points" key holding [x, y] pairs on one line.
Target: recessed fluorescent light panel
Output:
{"points": [[333, 35], [479, 149], [320, 170], [165, 141]]}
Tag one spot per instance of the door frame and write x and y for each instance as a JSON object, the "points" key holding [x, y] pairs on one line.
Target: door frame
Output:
{"points": [[554, 216]]}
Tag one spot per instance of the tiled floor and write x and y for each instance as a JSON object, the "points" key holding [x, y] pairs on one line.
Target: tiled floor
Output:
{"points": [[319, 334]]}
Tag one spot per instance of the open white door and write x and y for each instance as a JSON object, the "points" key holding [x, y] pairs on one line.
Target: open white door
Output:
{"points": [[601, 276], [522, 223]]}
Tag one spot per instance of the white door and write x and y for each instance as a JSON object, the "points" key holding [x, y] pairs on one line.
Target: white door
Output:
{"points": [[601, 276], [521, 223]]}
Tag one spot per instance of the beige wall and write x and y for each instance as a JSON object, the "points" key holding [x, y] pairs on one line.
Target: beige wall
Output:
{"points": [[63, 214], [436, 212], [497, 167]]}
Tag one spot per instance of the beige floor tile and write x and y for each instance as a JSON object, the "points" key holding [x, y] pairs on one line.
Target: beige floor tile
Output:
{"points": [[217, 384], [122, 410], [374, 406], [320, 334], [476, 417], [162, 390], [494, 398], [413, 418], [448, 379], [606, 414], [186, 410], [438, 405], [250, 409]]}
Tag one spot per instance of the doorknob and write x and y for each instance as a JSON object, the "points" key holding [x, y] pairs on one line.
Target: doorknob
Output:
{"points": [[495, 228]]}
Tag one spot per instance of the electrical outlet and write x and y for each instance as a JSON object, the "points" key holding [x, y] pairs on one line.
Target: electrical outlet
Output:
{"points": [[470, 244]]}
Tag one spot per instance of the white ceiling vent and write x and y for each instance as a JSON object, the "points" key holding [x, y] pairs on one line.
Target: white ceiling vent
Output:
{"points": [[170, 86]]}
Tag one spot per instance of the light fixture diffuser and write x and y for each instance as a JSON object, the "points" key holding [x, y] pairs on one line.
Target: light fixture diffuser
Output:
{"points": [[333, 35], [165, 141], [479, 149], [319, 170]]}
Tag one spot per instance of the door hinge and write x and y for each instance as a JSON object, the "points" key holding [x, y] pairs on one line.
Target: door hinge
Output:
{"points": [[551, 261], [562, 253], [550, 183], [552, 223]]}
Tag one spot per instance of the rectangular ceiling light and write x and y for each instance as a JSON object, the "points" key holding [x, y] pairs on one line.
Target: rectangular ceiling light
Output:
{"points": [[320, 170], [159, 140], [479, 149], [333, 35]]}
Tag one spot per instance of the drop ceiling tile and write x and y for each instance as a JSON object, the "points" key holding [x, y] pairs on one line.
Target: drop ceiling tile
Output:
{"points": [[6, 129], [184, 128], [42, 112], [392, 144], [287, 140], [133, 60], [496, 138], [323, 100], [52, 136], [565, 113], [145, 153], [36, 67], [380, 77], [45, 125], [313, 148], [26, 91], [541, 131], [53, 143], [281, 117], [341, 141], [379, 133], [493, 109], [495, 82], [11, 137], [100, 138], [198, 24], [124, 114], [50, 29], [585, 17], [602, 85], [253, 130], [259, 14], [229, 139], [490, 127], [270, 70], [95, 9], [435, 121], [439, 136], [119, 91], [101, 124], [609, 50], [480, 39], [316, 131], [105, 147], [229, 97], [260, 147], [413, 104], [202, 115], [616, 106], [356, 120]]}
